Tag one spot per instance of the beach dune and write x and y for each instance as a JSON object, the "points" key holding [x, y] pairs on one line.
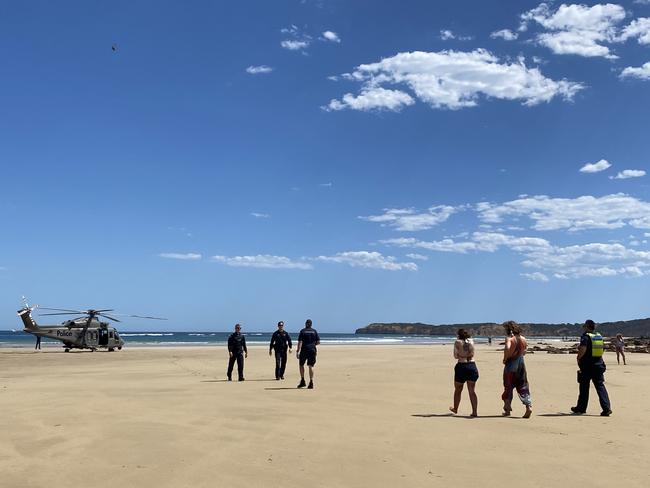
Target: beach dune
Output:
{"points": [[166, 417]]}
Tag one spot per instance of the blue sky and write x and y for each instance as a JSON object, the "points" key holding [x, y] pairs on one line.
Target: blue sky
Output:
{"points": [[349, 162]]}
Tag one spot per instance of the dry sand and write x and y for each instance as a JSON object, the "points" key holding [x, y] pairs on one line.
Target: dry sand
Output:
{"points": [[377, 417]]}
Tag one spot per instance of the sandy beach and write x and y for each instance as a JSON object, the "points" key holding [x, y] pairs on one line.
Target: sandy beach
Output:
{"points": [[166, 417]]}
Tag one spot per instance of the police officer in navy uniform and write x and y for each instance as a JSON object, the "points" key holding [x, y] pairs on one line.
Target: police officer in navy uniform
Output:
{"points": [[592, 369], [308, 339], [280, 341], [237, 351]]}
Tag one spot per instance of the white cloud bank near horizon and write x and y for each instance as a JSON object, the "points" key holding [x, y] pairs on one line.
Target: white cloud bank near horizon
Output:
{"points": [[449, 80]]}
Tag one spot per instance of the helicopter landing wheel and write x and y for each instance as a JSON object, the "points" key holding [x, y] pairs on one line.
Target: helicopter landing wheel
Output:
{"points": [[119, 348], [67, 349], [110, 349]]}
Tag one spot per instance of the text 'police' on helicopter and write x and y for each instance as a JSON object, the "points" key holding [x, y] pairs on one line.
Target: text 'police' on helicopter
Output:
{"points": [[85, 332]]}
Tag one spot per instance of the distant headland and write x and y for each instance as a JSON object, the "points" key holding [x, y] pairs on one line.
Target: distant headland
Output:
{"points": [[629, 328]]}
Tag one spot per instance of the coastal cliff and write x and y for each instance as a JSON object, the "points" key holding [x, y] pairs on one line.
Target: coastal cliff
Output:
{"points": [[629, 328]]}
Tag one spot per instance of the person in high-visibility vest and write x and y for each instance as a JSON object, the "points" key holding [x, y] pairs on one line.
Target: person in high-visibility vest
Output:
{"points": [[592, 369]]}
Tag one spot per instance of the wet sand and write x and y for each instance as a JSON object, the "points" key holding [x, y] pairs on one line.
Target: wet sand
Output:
{"points": [[378, 417]]}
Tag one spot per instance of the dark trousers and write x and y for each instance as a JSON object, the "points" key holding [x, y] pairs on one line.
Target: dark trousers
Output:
{"points": [[239, 357], [280, 363], [594, 374]]}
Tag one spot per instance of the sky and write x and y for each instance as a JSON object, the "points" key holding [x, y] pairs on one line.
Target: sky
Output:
{"points": [[349, 162]]}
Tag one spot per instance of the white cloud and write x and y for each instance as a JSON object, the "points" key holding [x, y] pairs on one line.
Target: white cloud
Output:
{"points": [[190, 256], [406, 219], [536, 276], [372, 99], [331, 36], [628, 173], [586, 212], [294, 45], [577, 29], [259, 215], [601, 165], [505, 34], [643, 72], [419, 257], [450, 79], [326, 185], [259, 70], [563, 262], [262, 261], [639, 28], [446, 35], [366, 259], [297, 41]]}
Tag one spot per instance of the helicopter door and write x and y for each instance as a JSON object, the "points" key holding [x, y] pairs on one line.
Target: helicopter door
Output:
{"points": [[91, 337], [103, 337]]}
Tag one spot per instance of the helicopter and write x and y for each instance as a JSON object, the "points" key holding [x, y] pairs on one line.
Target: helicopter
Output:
{"points": [[85, 332]]}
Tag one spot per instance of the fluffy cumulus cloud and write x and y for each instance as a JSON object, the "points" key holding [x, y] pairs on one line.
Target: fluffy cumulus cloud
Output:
{"points": [[407, 219], [259, 215], [331, 36], [505, 34], [601, 165], [447, 35], [543, 258], [574, 214], [450, 80], [190, 256], [419, 257], [639, 29], [642, 72], [367, 259], [262, 261], [294, 45], [577, 29], [629, 173], [259, 70]]}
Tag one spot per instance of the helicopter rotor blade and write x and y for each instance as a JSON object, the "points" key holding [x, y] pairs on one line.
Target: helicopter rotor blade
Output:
{"points": [[62, 310], [109, 317], [139, 316], [60, 313]]}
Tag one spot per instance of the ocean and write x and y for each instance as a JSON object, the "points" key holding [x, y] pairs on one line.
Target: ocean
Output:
{"points": [[20, 339]]}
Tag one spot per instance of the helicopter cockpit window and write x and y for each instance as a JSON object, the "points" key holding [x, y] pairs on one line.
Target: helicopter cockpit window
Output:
{"points": [[110, 334]]}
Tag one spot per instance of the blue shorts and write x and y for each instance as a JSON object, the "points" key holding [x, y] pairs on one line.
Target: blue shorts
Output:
{"points": [[465, 372]]}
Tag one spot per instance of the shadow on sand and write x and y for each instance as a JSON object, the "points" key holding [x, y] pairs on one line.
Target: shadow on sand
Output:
{"points": [[451, 415]]}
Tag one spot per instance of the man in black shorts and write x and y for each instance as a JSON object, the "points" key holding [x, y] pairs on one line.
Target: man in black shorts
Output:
{"points": [[308, 339]]}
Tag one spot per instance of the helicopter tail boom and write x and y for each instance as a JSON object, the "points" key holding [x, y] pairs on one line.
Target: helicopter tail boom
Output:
{"points": [[26, 316]]}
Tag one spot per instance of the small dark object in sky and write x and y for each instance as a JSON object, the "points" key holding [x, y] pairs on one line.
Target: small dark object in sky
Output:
{"points": [[114, 47]]}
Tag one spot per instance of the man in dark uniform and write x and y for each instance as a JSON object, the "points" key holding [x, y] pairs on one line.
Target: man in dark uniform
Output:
{"points": [[237, 351], [308, 339], [592, 369], [280, 341]]}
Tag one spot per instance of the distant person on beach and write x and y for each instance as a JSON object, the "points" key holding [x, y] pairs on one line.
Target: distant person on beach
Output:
{"points": [[489, 341], [514, 370], [237, 351], [280, 342], [38, 343], [308, 339], [619, 345], [592, 369], [465, 371]]}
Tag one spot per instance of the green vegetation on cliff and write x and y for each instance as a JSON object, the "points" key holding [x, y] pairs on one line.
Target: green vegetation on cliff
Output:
{"points": [[629, 328]]}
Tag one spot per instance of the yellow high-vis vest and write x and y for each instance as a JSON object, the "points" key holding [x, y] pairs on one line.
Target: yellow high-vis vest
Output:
{"points": [[597, 344]]}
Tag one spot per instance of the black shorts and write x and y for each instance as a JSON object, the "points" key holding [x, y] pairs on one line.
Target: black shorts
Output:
{"points": [[465, 372], [307, 356]]}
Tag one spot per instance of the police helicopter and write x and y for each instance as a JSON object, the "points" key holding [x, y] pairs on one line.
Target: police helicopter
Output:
{"points": [[85, 332]]}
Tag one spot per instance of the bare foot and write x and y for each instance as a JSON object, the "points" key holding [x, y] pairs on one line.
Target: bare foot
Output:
{"points": [[528, 413], [453, 410]]}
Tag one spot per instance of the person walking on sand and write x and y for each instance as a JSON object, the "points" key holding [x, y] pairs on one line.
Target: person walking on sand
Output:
{"points": [[465, 371], [38, 343], [592, 369], [308, 339], [237, 351], [619, 345], [514, 370], [280, 342]]}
